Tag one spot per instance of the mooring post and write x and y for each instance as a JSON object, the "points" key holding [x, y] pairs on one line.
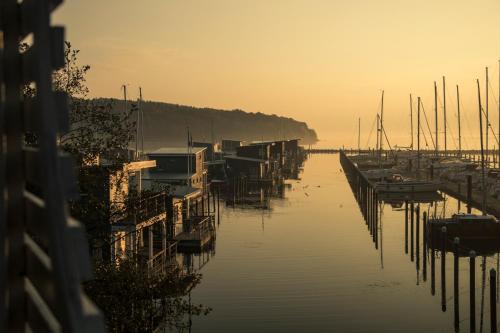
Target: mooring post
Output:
{"points": [[424, 245], [493, 303], [472, 290], [443, 269], [417, 232], [412, 218], [433, 271], [469, 193], [208, 200], [375, 226], [406, 227], [456, 244], [218, 204]]}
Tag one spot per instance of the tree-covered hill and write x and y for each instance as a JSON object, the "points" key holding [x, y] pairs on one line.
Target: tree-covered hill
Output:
{"points": [[166, 124]]}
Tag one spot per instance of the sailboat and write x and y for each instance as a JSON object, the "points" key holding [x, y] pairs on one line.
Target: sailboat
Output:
{"points": [[399, 184], [470, 226]]}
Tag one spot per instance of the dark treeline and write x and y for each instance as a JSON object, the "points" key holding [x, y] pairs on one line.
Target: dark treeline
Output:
{"points": [[164, 122]]}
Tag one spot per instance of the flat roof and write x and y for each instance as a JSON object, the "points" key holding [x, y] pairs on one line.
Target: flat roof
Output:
{"points": [[176, 151]]}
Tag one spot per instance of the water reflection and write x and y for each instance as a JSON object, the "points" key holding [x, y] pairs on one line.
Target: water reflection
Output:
{"points": [[436, 243]]}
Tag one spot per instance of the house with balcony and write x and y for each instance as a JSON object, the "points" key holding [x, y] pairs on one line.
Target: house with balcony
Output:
{"points": [[182, 173]]}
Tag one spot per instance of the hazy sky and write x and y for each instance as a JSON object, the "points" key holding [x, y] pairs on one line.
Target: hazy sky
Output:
{"points": [[320, 61]]}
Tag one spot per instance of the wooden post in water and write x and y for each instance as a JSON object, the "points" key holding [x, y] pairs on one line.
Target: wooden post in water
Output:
{"points": [[218, 204], [412, 218], [433, 269], [456, 295], [493, 303], [443, 269], [424, 246], [417, 232], [472, 291], [406, 227]]}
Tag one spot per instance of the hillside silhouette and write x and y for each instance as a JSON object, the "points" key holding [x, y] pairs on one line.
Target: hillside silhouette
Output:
{"points": [[166, 124]]}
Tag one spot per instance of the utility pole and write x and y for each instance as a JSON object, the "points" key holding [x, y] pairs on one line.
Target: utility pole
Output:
{"points": [[436, 118], [411, 121], [459, 125], [444, 113]]}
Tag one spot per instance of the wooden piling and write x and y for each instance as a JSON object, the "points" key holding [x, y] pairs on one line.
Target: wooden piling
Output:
{"points": [[424, 246], [433, 272], [417, 232], [443, 269], [493, 303], [412, 218], [456, 294], [472, 291], [406, 227]]}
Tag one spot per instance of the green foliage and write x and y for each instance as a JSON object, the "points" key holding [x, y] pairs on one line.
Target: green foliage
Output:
{"points": [[135, 301]]}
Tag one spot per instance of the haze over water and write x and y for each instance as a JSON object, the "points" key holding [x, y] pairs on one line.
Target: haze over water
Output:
{"points": [[310, 265]]}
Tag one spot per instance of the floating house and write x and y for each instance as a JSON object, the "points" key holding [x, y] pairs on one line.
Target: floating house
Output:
{"points": [[230, 146], [182, 173]]}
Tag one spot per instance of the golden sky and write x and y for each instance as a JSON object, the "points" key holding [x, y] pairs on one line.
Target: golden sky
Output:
{"points": [[320, 61]]}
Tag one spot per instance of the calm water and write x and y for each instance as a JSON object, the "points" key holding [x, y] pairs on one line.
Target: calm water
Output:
{"points": [[309, 264]]}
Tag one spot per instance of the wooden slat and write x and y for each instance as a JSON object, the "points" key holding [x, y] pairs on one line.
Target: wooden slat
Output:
{"points": [[35, 218], [40, 318], [40, 272]]}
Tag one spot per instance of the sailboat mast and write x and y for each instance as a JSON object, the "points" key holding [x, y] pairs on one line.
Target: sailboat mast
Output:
{"points": [[381, 125], [499, 110], [359, 135], [459, 125], [487, 116], [482, 147], [436, 118], [444, 114], [418, 136], [411, 121], [378, 135]]}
